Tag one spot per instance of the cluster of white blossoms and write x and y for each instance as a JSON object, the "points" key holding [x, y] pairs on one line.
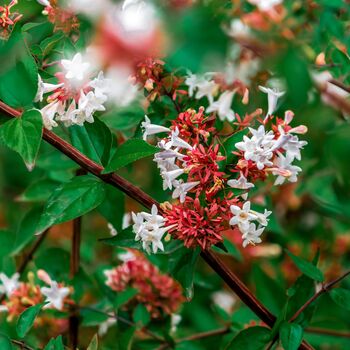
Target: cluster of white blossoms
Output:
{"points": [[166, 159], [149, 229], [8, 284], [76, 98], [243, 217], [205, 86]]}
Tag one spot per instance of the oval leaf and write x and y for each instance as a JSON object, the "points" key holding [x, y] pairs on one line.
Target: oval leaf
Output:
{"points": [[129, 152], [253, 338], [341, 297], [26, 319], [306, 267], [23, 135], [71, 200], [93, 344], [5, 342], [291, 335]]}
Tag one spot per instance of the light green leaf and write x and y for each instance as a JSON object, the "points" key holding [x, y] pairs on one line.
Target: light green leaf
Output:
{"points": [[71, 200], [125, 296], [26, 319], [253, 338], [93, 344], [341, 297], [306, 267], [55, 344], [129, 152], [291, 335], [23, 135]]}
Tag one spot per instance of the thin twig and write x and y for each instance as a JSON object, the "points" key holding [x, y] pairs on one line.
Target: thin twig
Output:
{"points": [[325, 331], [21, 344], [125, 321], [325, 288], [198, 336], [340, 85], [137, 194]]}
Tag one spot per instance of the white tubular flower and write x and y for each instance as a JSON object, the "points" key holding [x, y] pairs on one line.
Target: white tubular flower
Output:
{"points": [[48, 114], [105, 325], [238, 29], [112, 230], [91, 103], [170, 176], [149, 228], [265, 5], [252, 236], [242, 216], [272, 97], [242, 183], [182, 188], [75, 68], [262, 218], [44, 88], [258, 148], [285, 163], [224, 300], [192, 81], [151, 129], [222, 107], [101, 86], [44, 2], [175, 319], [126, 256], [9, 284], [55, 295], [206, 88], [176, 141]]}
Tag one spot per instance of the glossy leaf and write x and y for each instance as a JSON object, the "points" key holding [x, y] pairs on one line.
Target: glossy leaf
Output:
{"points": [[26, 319], [253, 338], [71, 200], [291, 335], [129, 152], [341, 297], [307, 267], [23, 135]]}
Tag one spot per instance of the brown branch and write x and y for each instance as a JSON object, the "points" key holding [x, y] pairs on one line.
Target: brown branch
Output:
{"points": [[330, 332], [21, 344], [340, 85], [198, 336], [325, 288], [134, 192]]}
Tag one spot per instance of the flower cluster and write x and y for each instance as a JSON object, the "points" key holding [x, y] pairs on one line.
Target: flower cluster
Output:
{"points": [[8, 19], [158, 292], [21, 295], [210, 189], [76, 97]]}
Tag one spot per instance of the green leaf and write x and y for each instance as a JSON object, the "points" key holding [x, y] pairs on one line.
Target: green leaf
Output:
{"points": [[291, 335], [5, 342], [94, 140], [182, 266], [253, 338], [306, 267], [129, 152], [19, 73], [141, 315], [71, 200], [341, 297], [55, 344], [124, 239], [125, 296], [23, 135], [93, 344], [26, 319], [39, 191]]}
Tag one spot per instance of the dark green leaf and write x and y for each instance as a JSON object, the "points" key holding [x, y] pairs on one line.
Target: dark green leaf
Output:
{"points": [[5, 342], [23, 135], [306, 267], [125, 296], [141, 315], [26, 319], [129, 152], [55, 344], [341, 297], [125, 238], [71, 200], [291, 335], [253, 338]]}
